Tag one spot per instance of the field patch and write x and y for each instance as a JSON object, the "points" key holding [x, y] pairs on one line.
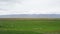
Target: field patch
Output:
{"points": [[29, 26]]}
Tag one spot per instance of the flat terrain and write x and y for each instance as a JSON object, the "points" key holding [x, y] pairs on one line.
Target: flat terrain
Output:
{"points": [[29, 26]]}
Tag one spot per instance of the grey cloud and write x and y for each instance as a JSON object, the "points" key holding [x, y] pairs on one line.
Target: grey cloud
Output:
{"points": [[6, 0], [13, 1], [8, 4], [30, 5]]}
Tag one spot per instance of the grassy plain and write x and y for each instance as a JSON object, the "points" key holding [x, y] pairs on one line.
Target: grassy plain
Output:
{"points": [[29, 26]]}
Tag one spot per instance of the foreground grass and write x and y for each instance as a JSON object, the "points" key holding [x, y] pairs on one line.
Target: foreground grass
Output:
{"points": [[29, 26], [18, 32]]}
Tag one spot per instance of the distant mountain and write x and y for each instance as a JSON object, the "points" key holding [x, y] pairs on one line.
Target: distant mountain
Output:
{"points": [[31, 16]]}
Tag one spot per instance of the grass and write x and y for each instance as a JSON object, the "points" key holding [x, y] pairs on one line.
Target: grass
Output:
{"points": [[29, 26]]}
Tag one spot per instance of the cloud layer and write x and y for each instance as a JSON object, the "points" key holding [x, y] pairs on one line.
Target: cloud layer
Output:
{"points": [[29, 7]]}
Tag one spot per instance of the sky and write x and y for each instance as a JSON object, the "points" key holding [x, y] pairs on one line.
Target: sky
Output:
{"points": [[29, 7]]}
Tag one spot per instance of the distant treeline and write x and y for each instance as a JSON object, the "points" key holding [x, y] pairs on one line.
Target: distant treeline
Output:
{"points": [[54, 19]]}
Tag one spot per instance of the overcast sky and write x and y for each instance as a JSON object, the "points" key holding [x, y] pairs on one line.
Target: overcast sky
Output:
{"points": [[29, 7]]}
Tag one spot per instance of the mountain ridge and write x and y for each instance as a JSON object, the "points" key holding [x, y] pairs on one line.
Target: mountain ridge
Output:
{"points": [[31, 16]]}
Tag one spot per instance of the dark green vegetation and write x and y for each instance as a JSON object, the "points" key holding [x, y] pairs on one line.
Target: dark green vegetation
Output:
{"points": [[29, 26]]}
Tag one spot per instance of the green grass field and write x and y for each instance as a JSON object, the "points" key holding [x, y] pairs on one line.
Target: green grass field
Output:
{"points": [[29, 26]]}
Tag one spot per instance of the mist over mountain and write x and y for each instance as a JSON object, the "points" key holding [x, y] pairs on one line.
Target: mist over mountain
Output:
{"points": [[31, 16]]}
